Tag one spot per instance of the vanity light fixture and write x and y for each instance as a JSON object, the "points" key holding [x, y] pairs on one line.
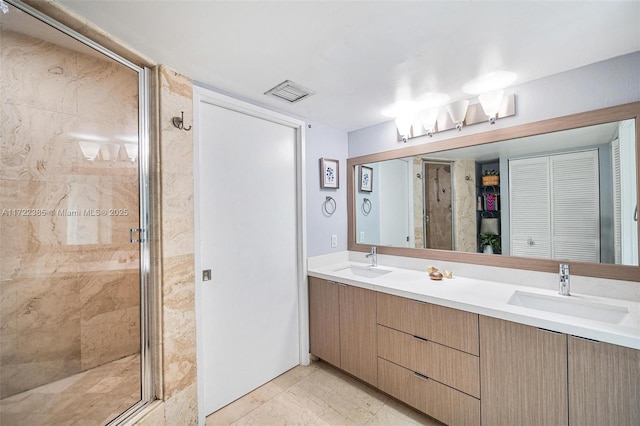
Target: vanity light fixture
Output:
{"points": [[89, 150], [404, 123], [458, 111], [429, 118], [491, 102]]}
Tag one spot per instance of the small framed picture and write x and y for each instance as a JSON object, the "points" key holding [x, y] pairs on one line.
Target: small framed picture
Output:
{"points": [[329, 173], [366, 179]]}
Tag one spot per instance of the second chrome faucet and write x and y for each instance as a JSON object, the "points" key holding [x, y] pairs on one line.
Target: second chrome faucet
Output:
{"points": [[564, 287], [374, 256]]}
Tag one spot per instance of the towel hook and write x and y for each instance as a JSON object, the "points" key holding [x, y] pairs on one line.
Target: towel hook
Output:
{"points": [[179, 122]]}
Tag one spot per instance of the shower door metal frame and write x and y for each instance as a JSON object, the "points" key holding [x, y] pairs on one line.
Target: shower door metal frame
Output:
{"points": [[147, 294], [424, 200]]}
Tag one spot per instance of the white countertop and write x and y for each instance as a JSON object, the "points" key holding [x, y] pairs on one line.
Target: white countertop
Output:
{"points": [[491, 299]]}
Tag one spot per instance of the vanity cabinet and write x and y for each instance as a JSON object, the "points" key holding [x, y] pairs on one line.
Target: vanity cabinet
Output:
{"points": [[342, 327], [604, 383], [324, 320], [524, 374], [358, 333], [428, 358], [532, 376], [467, 369]]}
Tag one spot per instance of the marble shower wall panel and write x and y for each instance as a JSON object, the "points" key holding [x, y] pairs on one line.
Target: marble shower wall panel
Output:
{"points": [[99, 84], [41, 340], [418, 212], [178, 275], [438, 201], [34, 67], [465, 202], [110, 316], [69, 279]]}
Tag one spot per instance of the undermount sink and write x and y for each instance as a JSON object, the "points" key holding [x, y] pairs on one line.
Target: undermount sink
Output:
{"points": [[570, 305], [364, 271]]}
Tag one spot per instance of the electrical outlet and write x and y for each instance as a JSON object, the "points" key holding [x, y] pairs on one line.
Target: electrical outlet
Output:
{"points": [[334, 240], [362, 236]]}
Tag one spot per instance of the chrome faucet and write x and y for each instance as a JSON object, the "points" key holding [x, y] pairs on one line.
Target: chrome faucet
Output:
{"points": [[564, 279], [374, 256]]}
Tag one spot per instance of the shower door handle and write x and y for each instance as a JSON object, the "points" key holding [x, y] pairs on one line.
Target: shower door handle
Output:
{"points": [[140, 232]]}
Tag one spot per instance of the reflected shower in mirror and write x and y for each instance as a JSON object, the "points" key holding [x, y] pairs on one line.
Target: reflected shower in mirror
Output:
{"points": [[568, 195]]}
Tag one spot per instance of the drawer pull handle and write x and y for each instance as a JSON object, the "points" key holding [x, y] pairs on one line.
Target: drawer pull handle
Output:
{"points": [[419, 301], [422, 339], [420, 376]]}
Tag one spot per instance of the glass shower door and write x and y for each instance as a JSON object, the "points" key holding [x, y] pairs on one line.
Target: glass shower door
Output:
{"points": [[70, 278]]}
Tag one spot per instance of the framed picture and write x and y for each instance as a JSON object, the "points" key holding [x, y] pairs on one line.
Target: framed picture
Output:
{"points": [[366, 179], [329, 173]]}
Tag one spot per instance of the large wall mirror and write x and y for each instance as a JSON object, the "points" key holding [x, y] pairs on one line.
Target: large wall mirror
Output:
{"points": [[529, 197]]}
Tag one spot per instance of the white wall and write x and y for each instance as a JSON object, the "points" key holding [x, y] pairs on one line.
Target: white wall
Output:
{"points": [[603, 84], [327, 142]]}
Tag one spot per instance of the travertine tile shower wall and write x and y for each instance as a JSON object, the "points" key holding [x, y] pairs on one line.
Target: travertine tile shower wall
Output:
{"points": [[69, 289]]}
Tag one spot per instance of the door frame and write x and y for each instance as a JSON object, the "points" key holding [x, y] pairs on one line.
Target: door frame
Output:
{"points": [[202, 94]]}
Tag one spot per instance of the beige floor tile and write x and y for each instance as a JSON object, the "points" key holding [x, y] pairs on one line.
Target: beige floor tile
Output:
{"points": [[337, 398], [295, 375], [397, 414], [242, 406], [317, 395], [283, 409]]}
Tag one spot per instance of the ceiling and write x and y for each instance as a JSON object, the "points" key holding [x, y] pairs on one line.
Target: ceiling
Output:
{"points": [[361, 57]]}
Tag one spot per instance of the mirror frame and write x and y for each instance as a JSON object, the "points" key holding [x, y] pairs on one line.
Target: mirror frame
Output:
{"points": [[573, 121]]}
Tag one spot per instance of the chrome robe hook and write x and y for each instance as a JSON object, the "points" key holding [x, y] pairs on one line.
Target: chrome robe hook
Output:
{"points": [[179, 122]]}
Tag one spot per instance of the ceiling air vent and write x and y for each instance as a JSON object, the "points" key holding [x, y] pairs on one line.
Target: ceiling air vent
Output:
{"points": [[289, 91]]}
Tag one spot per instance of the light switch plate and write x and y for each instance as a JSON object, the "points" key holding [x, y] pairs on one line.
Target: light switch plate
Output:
{"points": [[334, 240], [362, 236]]}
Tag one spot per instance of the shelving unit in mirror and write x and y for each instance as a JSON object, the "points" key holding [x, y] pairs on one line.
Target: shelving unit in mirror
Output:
{"points": [[489, 238]]}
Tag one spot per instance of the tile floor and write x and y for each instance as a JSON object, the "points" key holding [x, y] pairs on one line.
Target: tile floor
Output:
{"points": [[93, 397], [317, 395]]}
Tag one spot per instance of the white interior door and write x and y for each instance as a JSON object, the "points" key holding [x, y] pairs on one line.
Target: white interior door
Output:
{"points": [[394, 203], [248, 217]]}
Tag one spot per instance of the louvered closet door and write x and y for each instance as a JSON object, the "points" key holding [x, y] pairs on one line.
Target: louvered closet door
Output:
{"points": [[530, 207], [617, 201], [575, 206]]}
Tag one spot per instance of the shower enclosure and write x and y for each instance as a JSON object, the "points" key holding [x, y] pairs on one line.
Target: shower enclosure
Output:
{"points": [[438, 214], [73, 179]]}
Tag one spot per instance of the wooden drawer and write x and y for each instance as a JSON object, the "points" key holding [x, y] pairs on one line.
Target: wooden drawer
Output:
{"points": [[447, 326], [454, 368], [435, 399]]}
